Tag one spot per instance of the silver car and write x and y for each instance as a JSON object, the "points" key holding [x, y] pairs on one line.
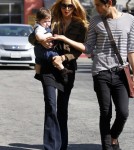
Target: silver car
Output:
{"points": [[14, 45]]}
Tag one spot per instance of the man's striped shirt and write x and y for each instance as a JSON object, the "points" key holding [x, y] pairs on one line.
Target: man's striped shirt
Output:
{"points": [[98, 42]]}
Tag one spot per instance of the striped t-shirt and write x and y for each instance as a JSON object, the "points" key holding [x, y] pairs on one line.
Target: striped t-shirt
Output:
{"points": [[98, 43]]}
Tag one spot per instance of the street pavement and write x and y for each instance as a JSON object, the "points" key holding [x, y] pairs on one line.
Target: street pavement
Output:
{"points": [[22, 111]]}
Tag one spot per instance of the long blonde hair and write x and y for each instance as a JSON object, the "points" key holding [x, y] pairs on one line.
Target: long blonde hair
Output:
{"points": [[79, 13]]}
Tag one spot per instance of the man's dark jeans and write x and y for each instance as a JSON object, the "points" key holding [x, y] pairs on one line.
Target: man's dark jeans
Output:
{"points": [[111, 85]]}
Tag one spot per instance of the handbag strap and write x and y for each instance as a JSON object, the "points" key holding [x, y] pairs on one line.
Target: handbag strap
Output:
{"points": [[112, 41]]}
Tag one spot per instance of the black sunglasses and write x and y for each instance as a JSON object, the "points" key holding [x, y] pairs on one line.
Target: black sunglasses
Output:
{"points": [[69, 6]]}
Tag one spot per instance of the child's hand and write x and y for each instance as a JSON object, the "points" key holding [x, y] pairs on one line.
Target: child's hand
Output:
{"points": [[57, 61], [47, 43]]}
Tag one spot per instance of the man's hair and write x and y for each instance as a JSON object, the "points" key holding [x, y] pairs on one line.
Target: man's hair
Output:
{"points": [[43, 13], [106, 1]]}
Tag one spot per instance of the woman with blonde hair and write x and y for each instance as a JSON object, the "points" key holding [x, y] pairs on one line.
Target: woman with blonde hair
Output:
{"points": [[69, 19], [78, 13]]}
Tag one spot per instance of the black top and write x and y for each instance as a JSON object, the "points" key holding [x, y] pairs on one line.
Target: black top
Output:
{"points": [[75, 31]]}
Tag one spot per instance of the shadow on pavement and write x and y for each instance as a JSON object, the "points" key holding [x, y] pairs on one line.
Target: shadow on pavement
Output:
{"points": [[84, 147], [20, 146], [84, 68], [16, 67]]}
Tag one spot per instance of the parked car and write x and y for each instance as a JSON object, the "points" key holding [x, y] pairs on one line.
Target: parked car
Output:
{"points": [[14, 45]]}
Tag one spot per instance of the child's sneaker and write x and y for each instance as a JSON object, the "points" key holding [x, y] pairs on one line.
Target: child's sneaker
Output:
{"points": [[64, 75]]}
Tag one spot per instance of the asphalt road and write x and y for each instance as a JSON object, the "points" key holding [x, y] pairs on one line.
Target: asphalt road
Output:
{"points": [[22, 111]]}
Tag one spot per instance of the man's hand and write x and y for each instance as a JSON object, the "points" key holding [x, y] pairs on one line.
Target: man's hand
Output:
{"points": [[131, 62]]}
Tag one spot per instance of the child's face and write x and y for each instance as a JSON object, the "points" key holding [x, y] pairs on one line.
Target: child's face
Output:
{"points": [[45, 22]]}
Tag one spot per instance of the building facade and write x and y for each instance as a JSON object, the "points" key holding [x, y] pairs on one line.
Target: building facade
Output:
{"points": [[23, 11], [19, 11]]}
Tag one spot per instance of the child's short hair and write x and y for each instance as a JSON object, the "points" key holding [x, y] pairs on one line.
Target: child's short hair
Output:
{"points": [[43, 13]]}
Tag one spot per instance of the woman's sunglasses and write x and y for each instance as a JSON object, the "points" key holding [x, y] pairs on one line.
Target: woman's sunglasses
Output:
{"points": [[69, 6]]}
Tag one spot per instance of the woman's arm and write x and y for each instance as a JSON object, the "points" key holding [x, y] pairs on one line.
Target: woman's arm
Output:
{"points": [[77, 45]]}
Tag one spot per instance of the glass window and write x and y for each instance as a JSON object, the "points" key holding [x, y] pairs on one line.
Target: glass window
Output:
{"points": [[16, 18], [4, 9], [14, 30], [16, 9], [4, 19], [10, 13]]}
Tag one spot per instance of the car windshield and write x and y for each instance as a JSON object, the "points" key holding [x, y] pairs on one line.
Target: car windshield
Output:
{"points": [[15, 30]]}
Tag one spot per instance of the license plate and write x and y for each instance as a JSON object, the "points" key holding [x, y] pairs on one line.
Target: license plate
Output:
{"points": [[15, 55]]}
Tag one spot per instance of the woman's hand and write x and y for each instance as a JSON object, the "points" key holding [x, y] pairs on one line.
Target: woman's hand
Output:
{"points": [[57, 37], [77, 45]]}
